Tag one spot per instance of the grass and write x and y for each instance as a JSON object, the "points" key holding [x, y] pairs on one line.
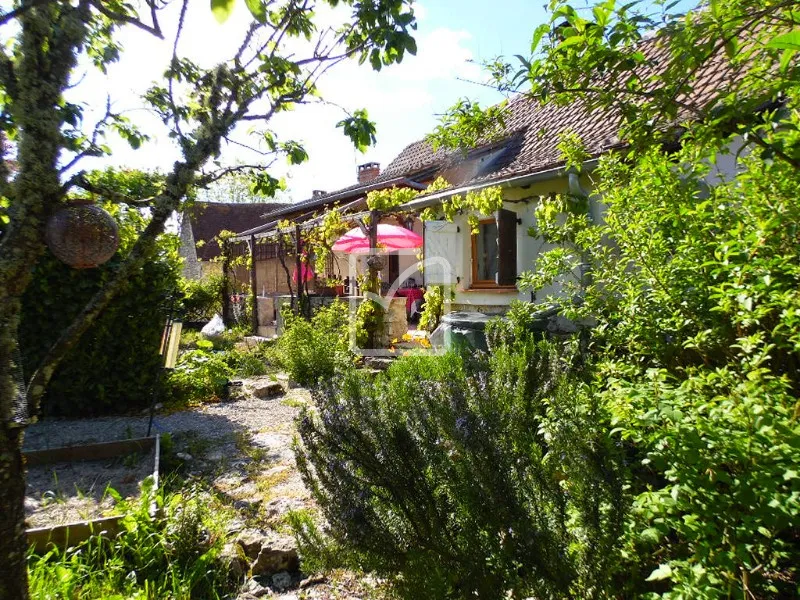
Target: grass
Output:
{"points": [[171, 557], [266, 482], [294, 402]]}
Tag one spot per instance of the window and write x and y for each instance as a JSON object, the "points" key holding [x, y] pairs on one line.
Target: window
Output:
{"points": [[494, 251], [484, 254]]}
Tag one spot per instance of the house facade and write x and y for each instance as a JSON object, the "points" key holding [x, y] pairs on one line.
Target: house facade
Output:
{"points": [[201, 225], [274, 272]]}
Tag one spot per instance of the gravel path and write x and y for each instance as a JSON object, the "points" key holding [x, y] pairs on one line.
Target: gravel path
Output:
{"points": [[242, 449], [219, 420]]}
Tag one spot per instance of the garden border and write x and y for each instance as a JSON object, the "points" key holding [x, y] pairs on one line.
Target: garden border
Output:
{"points": [[71, 534]]}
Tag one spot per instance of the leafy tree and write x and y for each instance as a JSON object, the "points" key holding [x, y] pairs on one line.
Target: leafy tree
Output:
{"points": [[238, 187], [201, 108], [641, 62], [692, 287]]}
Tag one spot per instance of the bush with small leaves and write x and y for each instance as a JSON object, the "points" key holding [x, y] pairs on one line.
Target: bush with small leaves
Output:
{"points": [[312, 350], [464, 477]]}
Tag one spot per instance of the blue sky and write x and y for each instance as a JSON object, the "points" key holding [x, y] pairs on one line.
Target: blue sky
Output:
{"points": [[453, 37]]}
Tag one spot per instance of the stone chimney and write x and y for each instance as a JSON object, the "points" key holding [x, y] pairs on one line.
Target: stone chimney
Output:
{"points": [[368, 171]]}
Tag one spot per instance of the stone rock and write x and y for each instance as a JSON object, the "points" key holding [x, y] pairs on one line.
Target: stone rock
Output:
{"points": [[184, 456], [251, 541], [312, 580], [378, 363], [266, 389], [234, 558], [253, 589], [281, 581], [278, 507], [235, 526], [247, 504], [279, 553]]}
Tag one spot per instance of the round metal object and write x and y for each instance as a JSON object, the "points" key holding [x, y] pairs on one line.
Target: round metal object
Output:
{"points": [[82, 235]]}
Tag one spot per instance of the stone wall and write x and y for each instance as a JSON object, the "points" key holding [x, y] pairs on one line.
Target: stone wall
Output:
{"points": [[395, 322]]}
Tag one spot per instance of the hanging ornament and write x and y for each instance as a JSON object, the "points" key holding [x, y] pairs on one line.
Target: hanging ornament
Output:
{"points": [[82, 235]]}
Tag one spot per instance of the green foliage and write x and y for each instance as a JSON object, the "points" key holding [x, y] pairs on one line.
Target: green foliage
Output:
{"points": [[466, 125], [463, 477], [116, 365], [202, 298], [175, 556], [203, 371], [369, 324], [387, 199], [359, 128], [476, 203], [694, 290], [312, 350], [606, 58], [433, 308], [200, 374]]}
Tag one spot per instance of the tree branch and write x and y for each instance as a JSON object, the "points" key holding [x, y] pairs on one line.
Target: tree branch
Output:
{"points": [[154, 29], [107, 193], [17, 12], [208, 178]]}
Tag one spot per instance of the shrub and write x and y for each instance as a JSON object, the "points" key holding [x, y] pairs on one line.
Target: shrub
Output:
{"points": [[200, 374], [311, 350], [245, 363], [175, 556], [695, 293], [433, 307], [202, 298], [115, 367], [463, 477]]}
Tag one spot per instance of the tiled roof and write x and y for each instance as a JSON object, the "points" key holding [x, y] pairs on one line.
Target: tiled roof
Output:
{"points": [[350, 192], [532, 130], [209, 218]]}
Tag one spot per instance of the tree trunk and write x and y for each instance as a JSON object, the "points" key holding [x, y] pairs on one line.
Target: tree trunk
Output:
{"points": [[13, 542], [14, 579]]}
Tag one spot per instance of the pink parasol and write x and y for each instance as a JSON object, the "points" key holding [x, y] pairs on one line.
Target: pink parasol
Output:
{"points": [[390, 237]]}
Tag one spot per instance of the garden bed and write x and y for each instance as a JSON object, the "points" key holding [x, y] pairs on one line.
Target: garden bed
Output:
{"points": [[67, 497]]}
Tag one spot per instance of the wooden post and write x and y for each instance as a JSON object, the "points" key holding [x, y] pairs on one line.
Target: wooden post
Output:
{"points": [[298, 268], [374, 264], [253, 284], [227, 313], [374, 216]]}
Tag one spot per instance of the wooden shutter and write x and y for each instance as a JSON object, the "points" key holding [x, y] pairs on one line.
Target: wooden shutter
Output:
{"points": [[506, 247], [443, 249]]}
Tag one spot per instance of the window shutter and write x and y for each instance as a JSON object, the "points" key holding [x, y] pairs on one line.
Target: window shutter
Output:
{"points": [[506, 247], [442, 253]]}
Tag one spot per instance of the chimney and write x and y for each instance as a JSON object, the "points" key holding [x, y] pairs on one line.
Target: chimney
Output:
{"points": [[368, 171], [318, 193]]}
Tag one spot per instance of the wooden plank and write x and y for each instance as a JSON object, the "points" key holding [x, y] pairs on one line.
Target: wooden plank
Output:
{"points": [[253, 285], [72, 534], [99, 451], [173, 344]]}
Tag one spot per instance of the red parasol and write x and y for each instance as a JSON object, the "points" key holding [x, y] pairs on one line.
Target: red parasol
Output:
{"points": [[390, 237]]}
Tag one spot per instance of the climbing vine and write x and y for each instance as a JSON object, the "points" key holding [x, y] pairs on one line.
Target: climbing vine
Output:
{"points": [[477, 202]]}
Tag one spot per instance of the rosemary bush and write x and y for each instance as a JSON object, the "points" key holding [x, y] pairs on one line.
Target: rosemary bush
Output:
{"points": [[463, 477]]}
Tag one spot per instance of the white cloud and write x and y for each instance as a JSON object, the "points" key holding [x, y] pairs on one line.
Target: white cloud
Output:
{"points": [[402, 99]]}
